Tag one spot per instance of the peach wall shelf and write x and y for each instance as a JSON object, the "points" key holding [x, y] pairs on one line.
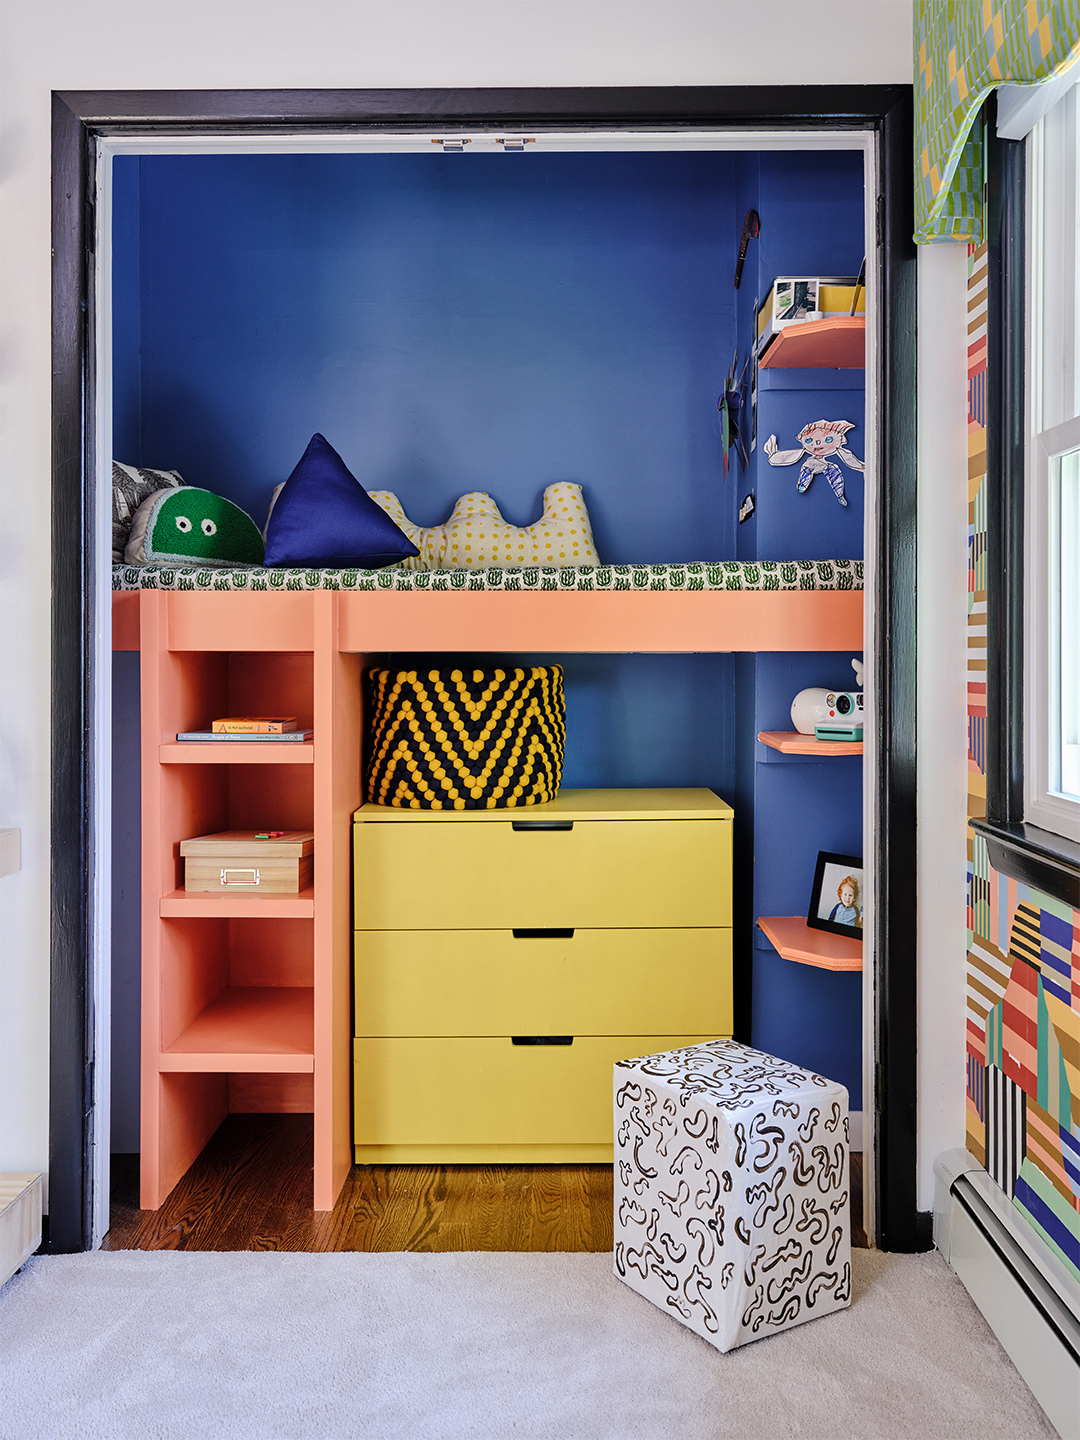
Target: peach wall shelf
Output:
{"points": [[836, 343], [790, 742], [795, 940], [246, 999]]}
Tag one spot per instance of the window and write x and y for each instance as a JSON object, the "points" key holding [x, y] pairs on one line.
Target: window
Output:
{"points": [[1032, 824], [1052, 519]]}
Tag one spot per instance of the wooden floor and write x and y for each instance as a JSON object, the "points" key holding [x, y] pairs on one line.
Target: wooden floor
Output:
{"points": [[250, 1189]]}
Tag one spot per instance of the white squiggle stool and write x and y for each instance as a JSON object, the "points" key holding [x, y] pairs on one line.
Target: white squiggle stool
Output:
{"points": [[766, 1243]]}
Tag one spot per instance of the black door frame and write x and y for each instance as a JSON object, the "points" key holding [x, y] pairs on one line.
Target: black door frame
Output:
{"points": [[79, 118]]}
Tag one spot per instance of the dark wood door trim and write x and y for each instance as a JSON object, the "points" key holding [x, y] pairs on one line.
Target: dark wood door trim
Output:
{"points": [[79, 117], [900, 1226]]}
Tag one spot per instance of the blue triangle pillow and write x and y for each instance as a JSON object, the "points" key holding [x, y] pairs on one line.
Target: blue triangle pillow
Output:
{"points": [[323, 517]]}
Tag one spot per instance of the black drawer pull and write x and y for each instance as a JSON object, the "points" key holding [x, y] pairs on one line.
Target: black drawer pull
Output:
{"points": [[543, 934], [541, 1039], [543, 824]]}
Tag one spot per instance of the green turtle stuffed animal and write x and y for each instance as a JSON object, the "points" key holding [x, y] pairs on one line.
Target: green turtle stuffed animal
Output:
{"points": [[188, 526]]}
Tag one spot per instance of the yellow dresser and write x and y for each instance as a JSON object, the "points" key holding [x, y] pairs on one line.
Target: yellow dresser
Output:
{"points": [[505, 959]]}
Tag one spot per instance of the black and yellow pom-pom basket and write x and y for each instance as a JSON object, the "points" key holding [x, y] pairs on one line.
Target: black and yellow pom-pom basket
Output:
{"points": [[466, 739]]}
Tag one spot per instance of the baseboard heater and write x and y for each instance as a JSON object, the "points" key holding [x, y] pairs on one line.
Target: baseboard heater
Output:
{"points": [[1028, 1298]]}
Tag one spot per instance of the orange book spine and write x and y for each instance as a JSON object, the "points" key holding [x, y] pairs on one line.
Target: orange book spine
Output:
{"points": [[254, 725]]}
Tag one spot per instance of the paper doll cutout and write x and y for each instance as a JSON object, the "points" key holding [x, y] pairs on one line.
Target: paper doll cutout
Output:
{"points": [[819, 440]]}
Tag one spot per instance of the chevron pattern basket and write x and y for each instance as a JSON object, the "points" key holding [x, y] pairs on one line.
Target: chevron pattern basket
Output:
{"points": [[466, 739]]}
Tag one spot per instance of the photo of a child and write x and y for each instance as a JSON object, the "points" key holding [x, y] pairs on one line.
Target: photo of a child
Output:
{"points": [[836, 901], [846, 912]]}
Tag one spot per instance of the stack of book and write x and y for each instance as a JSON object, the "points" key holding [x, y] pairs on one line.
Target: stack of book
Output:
{"points": [[251, 727]]}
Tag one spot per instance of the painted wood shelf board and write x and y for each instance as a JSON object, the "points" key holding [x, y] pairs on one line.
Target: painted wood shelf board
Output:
{"points": [[249, 1028], [795, 940], [573, 805], [836, 343], [790, 742], [237, 752], [197, 904], [266, 621], [125, 619], [578, 622], [603, 622]]}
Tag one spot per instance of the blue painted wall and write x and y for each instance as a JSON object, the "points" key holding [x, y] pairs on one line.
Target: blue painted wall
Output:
{"points": [[808, 1015], [449, 323], [638, 720], [127, 311], [811, 212]]}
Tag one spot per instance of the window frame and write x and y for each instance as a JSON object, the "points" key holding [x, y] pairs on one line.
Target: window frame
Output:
{"points": [[1018, 846], [1043, 804], [1053, 430]]}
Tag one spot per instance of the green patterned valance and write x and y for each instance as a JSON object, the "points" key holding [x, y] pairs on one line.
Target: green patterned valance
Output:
{"points": [[963, 50]]}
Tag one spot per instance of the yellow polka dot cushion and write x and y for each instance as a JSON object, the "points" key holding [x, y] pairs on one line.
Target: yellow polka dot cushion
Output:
{"points": [[476, 536], [465, 738]]}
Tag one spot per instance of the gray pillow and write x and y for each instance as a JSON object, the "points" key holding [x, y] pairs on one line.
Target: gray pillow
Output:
{"points": [[131, 485]]}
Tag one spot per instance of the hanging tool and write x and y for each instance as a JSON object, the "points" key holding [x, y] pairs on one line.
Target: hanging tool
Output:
{"points": [[751, 229], [730, 404]]}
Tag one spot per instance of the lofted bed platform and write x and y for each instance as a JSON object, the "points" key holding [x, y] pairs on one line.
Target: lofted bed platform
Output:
{"points": [[572, 621]]}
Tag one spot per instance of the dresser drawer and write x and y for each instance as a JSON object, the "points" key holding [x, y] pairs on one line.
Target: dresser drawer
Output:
{"points": [[599, 874], [488, 1091], [591, 982]]}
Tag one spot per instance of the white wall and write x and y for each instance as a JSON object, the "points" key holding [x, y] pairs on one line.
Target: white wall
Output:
{"points": [[166, 44]]}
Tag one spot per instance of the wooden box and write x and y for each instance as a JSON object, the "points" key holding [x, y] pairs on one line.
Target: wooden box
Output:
{"points": [[240, 860]]}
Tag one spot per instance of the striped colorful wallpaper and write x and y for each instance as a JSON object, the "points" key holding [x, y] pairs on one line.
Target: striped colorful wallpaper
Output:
{"points": [[1023, 964]]}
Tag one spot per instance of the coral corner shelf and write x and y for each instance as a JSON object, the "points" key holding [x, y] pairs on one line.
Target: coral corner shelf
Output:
{"points": [[790, 742], [795, 940], [836, 343]]}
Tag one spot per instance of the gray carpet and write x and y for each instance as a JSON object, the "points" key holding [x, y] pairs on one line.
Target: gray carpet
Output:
{"points": [[267, 1346]]}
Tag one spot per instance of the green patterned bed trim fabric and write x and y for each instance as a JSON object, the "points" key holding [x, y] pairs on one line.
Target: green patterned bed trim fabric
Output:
{"points": [[694, 575]]}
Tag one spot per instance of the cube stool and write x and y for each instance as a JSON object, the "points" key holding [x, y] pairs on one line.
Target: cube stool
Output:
{"points": [[731, 1190]]}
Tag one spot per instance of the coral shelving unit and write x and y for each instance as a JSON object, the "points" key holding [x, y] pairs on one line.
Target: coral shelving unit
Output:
{"points": [[246, 999], [241, 994]]}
